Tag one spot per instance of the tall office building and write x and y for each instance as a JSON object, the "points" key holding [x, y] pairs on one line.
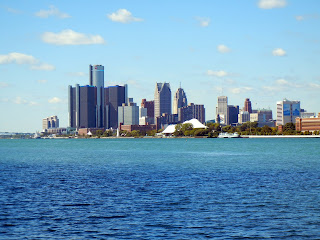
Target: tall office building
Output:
{"points": [[114, 96], [247, 106], [96, 79], [179, 100], [82, 106], [232, 116], [287, 111], [162, 99], [222, 109]]}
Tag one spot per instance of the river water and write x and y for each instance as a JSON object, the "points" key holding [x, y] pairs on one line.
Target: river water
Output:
{"points": [[160, 189]]}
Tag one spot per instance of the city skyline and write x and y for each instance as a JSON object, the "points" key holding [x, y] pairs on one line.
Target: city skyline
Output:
{"points": [[263, 50]]}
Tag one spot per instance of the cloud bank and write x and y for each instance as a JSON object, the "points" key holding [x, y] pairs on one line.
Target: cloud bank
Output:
{"points": [[53, 11], [70, 37], [21, 58], [269, 4]]}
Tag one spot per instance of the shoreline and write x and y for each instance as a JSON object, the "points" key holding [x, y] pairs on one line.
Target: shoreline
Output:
{"points": [[280, 136]]}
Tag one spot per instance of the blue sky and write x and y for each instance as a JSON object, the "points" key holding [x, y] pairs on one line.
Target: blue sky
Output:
{"points": [[266, 50]]}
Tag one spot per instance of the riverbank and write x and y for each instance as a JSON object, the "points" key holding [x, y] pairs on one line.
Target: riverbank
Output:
{"points": [[280, 136]]}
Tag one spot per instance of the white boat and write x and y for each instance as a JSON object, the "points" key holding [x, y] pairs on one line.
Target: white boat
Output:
{"points": [[228, 135], [36, 136]]}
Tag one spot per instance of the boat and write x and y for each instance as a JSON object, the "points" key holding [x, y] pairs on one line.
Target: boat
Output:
{"points": [[37, 135], [228, 135]]}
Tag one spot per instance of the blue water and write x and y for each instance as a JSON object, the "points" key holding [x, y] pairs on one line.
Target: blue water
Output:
{"points": [[160, 189]]}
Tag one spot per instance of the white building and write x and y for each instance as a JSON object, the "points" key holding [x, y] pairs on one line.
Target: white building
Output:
{"points": [[287, 111], [222, 109], [50, 123]]}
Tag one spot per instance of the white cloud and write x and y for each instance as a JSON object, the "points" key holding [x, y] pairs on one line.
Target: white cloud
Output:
{"points": [[70, 37], [43, 66], [77, 74], [19, 100], [42, 81], [279, 52], [314, 85], [281, 85], [31, 103], [307, 17], [269, 4], [204, 22], [53, 11], [123, 16], [223, 48], [217, 73], [54, 100], [299, 18], [282, 82], [241, 90], [12, 10], [18, 58], [271, 88], [4, 85]]}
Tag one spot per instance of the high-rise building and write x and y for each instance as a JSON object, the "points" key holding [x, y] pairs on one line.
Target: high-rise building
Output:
{"points": [[50, 122], [162, 99], [222, 109], [179, 100], [287, 111], [149, 105], [192, 111], [128, 114], [115, 96], [96, 79], [232, 115], [82, 106], [247, 106]]}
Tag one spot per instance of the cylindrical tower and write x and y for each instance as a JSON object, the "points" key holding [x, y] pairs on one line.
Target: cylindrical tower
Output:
{"points": [[97, 80]]}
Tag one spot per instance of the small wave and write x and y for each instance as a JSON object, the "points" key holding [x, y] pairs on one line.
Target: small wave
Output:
{"points": [[76, 204], [108, 217]]}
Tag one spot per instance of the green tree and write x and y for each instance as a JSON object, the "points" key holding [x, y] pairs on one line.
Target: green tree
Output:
{"points": [[201, 132], [152, 133], [135, 133], [289, 129]]}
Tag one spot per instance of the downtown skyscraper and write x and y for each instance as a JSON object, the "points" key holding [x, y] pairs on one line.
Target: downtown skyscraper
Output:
{"points": [[162, 99], [96, 79], [179, 100], [93, 105]]}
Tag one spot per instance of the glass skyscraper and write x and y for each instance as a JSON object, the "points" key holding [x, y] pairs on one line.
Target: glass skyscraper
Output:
{"points": [[162, 99]]}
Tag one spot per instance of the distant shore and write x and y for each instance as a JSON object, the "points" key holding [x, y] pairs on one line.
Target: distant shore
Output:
{"points": [[280, 136]]}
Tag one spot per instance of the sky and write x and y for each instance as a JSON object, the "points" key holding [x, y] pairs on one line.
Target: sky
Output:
{"points": [[265, 50]]}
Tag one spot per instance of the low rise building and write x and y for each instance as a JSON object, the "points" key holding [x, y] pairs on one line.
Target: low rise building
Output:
{"points": [[141, 128], [308, 124]]}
